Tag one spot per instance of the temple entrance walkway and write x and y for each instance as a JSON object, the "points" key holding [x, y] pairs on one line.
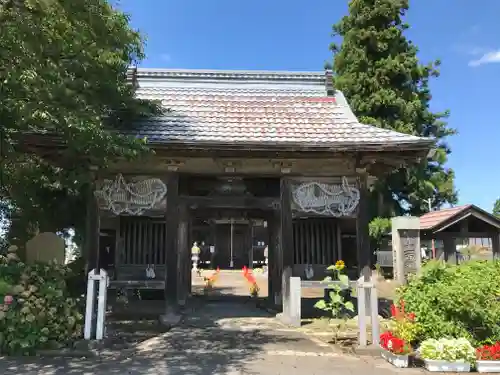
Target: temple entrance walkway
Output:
{"points": [[229, 283], [219, 338]]}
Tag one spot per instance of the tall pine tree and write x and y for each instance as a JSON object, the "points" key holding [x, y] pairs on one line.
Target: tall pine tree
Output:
{"points": [[377, 69]]}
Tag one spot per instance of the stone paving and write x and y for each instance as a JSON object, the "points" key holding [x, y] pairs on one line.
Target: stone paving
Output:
{"points": [[219, 338]]}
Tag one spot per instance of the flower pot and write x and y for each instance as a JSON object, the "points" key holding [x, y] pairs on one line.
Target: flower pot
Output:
{"points": [[488, 366], [445, 366], [396, 360]]}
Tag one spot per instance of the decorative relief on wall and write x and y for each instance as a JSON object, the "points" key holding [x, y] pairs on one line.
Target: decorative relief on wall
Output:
{"points": [[133, 198], [326, 199]]}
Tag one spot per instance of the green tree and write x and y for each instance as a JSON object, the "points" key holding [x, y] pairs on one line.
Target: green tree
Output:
{"points": [[377, 69], [63, 74], [496, 208]]}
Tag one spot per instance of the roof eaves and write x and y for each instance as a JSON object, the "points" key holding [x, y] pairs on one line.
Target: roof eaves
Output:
{"points": [[318, 77], [334, 147]]}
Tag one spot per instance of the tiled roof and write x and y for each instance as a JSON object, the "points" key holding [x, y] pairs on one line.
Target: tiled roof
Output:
{"points": [[435, 218], [253, 107]]}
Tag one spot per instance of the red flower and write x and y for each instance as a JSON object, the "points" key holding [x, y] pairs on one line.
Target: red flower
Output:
{"points": [[251, 278], [399, 313], [393, 310], [398, 346], [489, 352], [8, 300], [394, 344], [385, 338]]}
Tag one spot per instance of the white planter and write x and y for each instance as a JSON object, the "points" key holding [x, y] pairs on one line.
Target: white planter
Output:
{"points": [[396, 360], [488, 366], [433, 365]]}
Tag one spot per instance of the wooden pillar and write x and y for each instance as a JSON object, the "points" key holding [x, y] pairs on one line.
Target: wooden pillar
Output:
{"points": [[450, 250], [286, 236], [362, 231], [338, 236], [274, 258], [464, 230], [183, 250], [250, 243], [92, 228], [171, 243], [188, 265], [213, 229], [286, 223], [495, 245]]}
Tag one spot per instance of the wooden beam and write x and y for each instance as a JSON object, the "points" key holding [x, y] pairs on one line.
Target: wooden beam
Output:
{"points": [[443, 235], [362, 232], [232, 202], [171, 243]]}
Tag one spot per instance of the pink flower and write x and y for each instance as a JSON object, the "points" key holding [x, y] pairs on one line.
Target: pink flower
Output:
{"points": [[8, 300]]}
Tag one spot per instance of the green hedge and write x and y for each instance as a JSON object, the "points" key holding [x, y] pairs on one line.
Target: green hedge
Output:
{"points": [[36, 309], [456, 301]]}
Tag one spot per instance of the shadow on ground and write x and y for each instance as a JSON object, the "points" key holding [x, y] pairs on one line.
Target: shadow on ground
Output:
{"points": [[221, 339]]}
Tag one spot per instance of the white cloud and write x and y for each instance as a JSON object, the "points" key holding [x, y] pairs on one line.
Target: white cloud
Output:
{"points": [[487, 58]]}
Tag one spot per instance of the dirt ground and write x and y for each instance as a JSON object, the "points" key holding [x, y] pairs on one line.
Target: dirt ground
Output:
{"points": [[232, 282]]}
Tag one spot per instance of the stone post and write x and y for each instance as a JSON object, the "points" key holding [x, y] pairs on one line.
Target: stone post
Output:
{"points": [[406, 253]]}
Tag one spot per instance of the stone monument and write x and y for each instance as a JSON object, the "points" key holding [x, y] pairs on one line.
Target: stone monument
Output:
{"points": [[406, 254], [45, 247]]}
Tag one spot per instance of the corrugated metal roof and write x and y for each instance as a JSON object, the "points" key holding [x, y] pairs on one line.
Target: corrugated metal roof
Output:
{"points": [[254, 107], [435, 218]]}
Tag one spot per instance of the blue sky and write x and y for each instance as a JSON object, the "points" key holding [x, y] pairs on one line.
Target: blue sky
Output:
{"points": [[294, 35]]}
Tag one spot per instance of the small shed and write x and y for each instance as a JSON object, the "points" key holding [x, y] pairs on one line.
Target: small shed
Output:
{"points": [[452, 226]]}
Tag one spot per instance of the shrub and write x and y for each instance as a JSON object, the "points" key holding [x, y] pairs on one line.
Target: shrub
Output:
{"points": [[448, 350], [456, 301], [36, 311]]}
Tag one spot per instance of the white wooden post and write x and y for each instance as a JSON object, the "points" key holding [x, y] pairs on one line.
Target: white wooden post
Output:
{"points": [[102, 278], [294, 302], [101, 304], [89, 307], [362, 312], [374, 311]]}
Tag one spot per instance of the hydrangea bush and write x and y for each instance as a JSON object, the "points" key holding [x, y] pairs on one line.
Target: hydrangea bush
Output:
{"points": [[36, 309]]}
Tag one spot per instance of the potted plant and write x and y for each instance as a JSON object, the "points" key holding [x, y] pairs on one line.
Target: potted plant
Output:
{"points": [[396, 342], [488, 358], [395, 350], [447, 355]]}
